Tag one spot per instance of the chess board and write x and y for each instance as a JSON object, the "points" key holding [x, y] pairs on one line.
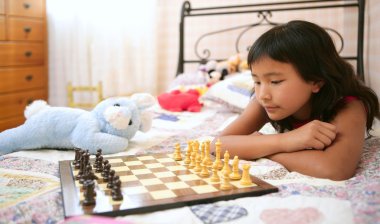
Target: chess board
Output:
{"points": [[150, 183]]}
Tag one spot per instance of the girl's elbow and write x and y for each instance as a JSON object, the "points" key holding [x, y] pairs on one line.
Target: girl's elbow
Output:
{"points": [[337, 173]]}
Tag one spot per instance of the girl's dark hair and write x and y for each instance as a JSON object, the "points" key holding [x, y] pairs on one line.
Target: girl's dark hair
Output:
{"points": [[310, 49]]}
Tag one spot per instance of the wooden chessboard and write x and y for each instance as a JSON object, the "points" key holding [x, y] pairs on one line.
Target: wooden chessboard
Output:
{"points": [[150, 183]]}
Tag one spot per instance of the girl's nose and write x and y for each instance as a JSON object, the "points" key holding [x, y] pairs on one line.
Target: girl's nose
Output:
{"points": [[264, 93]]}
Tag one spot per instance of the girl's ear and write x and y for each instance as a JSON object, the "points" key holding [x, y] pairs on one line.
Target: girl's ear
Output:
{"points": [[317, 86]]}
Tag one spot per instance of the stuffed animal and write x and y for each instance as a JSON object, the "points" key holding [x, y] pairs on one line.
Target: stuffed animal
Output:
{"points": [[178, 101], [109, 126]]}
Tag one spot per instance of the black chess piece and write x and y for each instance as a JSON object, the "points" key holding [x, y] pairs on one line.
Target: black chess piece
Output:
{"points": [[110, 179], [116, 191], [90, 173], [80, 159], [96, 163], [105, 162], [106, 172], [81, 165], [89, 193], [76, 159], [99, 168]]}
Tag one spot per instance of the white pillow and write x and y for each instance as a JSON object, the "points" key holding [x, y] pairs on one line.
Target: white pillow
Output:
{"points": [[234, 92]]}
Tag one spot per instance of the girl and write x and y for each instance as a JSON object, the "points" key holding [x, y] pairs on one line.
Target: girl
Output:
{"points": [[313, 99]]}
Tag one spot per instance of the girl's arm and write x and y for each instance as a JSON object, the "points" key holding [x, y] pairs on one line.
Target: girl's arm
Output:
{"points": [[339, 160], [241, 138]]}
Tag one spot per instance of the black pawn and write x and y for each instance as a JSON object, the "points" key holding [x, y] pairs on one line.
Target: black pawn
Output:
{"points": [[99, 168], [106, 172], [89, 193], [116, 191], [105, 162], [110, 179]]}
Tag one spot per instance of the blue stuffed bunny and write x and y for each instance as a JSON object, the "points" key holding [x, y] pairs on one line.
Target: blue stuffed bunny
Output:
{"points": [[109, 126]]}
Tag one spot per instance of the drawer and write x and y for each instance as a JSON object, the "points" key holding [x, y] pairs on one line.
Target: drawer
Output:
{"points": [[25, 29], [11, 122], [30, 8], [21, 54], [16, 79], [13, 104], [2, 8], [2, 27]]}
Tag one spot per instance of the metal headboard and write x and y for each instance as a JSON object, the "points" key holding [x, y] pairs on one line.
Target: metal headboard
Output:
{"points": [[264, 11]]}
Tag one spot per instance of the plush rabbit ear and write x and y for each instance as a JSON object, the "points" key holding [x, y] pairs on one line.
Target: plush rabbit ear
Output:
{"points": [[143, 100], [146, 121]]}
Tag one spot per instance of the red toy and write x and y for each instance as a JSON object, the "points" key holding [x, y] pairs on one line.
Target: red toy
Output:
{"points": [[177, 101]]}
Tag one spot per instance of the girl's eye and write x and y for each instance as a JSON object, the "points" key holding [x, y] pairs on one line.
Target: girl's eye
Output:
{"points": [[277, 81], [257, 83], [116, 105]]}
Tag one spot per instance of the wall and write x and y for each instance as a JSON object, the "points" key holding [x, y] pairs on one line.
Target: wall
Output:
{"points": [[372, 54], [169, 32]]}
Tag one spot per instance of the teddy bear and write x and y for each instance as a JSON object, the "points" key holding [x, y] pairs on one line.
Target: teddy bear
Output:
{"points": [[218, 71], [109, 126]]}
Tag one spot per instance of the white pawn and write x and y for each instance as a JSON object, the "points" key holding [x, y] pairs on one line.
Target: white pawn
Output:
{"points": [[225, 185], [177, 152], [215, 176]]}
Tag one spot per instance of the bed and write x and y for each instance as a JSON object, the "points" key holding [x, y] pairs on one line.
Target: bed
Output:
{"points": [[30, 181]]}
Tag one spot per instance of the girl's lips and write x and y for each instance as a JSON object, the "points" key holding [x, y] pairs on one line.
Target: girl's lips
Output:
{"points": [[270, 108]]}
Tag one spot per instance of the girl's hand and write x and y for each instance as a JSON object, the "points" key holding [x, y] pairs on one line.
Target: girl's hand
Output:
{"points": [[313, 135]]}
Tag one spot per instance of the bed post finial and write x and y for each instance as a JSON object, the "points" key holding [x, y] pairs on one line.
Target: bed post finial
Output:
{"points": [[185, 10]]}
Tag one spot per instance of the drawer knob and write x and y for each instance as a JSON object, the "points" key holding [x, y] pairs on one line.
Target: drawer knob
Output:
{"points": [[26, 5], [28, 54], [27, 29], [29, 77]]}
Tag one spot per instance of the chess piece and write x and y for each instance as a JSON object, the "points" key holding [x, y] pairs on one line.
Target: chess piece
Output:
{"points": [[217, 154], [202, 151], [90, 175], [215, 176], [89, 193], [97, 155], [188, 153], [246, 177], [114, 179], [207, 152], [225, 185], [116, 191], [81, 165], [235, 175], [106, 172], [193, 158], [198, 166], [177, 153], [105, 162], [99, 168], [226, 166], [204, 171], [76, 159], [80, 159], [110, 179]]}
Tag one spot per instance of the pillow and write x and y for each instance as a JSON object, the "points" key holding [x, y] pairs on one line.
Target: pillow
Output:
{"points": [[234, 92]]}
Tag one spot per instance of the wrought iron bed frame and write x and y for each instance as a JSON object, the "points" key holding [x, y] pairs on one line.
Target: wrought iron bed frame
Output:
{"points": [[264, 11]]}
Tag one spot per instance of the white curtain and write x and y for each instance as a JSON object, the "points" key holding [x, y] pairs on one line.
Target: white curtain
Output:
{"points": [[112, 41]]}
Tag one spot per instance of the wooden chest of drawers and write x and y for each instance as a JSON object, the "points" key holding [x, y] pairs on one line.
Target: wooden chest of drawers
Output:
{"points": [[23, 58]]}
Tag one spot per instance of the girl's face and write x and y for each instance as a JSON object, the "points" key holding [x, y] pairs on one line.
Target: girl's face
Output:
{"points": [[280, 89]]}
